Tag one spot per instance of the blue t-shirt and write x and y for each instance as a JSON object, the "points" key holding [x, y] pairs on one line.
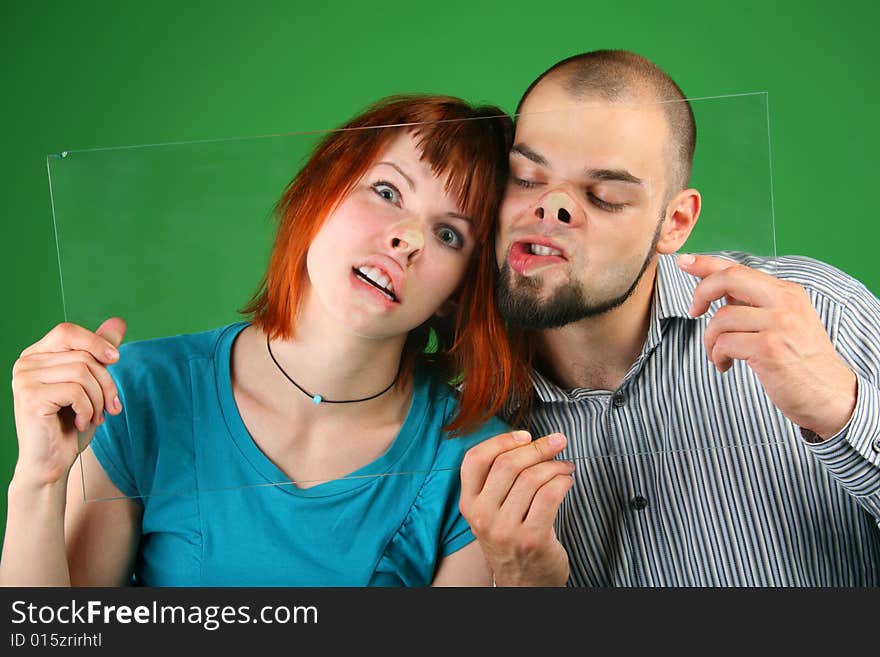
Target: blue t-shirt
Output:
{"points": [[213, 514]]}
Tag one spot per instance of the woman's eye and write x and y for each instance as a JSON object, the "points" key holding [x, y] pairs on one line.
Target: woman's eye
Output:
{"points": [[605, 205], [450, 237], [387, 191]]}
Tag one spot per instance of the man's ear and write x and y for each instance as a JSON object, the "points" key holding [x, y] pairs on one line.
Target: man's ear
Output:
{"points": [[681, 217]]}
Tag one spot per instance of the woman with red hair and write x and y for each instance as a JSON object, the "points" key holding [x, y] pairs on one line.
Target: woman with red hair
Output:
{"points": [[318, 443]]}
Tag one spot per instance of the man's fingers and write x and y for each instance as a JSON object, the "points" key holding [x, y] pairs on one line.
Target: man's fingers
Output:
{"points": [[736, 346], [723, 279], [736, 319], [731, 285], [703, 265], [71, 337], [478, 459]]}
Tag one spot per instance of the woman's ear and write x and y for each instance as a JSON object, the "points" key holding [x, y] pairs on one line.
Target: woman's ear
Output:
{"points": [[681, 217]]}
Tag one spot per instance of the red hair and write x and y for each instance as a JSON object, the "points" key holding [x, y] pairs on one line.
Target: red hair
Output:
{"points": [[469, 146]]}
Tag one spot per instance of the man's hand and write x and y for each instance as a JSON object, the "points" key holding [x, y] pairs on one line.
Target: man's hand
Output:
{"points": [[511, 489], [772, 325]]}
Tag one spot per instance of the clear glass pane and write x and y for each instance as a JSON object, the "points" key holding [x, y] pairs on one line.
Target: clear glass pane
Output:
{"points": [[175, 238]]}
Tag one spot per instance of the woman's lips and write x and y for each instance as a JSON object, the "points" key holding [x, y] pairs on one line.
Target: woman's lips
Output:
{"points": [[367, 288], [390, 268]]}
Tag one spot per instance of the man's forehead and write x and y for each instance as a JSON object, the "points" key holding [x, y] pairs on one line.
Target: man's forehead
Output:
{"points": [[556, 138], [550, 101], [589, 131]]}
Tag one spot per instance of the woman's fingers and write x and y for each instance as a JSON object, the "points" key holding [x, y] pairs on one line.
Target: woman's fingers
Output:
{"points": [[478, 460], [46, 399], [61, 388], [71, 337], [547, 500], [529, 483], [76, 363], [508, 465]]}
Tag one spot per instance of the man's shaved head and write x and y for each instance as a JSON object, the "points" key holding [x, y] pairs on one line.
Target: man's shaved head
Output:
{"points": [[622, 76]]}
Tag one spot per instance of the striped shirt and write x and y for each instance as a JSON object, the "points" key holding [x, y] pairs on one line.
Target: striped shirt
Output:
{"points": [[689, 477]]}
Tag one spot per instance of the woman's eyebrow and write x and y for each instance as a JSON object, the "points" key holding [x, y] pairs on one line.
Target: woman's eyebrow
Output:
{"points": [[456, 215], [400, 171]]}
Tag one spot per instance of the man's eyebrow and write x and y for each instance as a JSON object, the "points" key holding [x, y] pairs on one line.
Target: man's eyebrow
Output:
{"points": [[400, 171], [614, 175], [529, 154]]}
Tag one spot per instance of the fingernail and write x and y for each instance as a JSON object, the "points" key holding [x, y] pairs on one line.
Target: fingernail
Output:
{"points": [[111, 353], [117, 404], [555, 440], [686, 259], [521, 436]]}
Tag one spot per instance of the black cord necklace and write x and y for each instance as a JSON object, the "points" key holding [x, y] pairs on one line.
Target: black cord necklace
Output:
{"points": [[317, 399]]}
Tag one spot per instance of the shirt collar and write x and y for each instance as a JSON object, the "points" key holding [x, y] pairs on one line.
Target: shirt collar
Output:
{"points": [[674, 291]]}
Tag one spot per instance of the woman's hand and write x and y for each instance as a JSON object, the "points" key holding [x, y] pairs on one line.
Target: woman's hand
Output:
{"points": [[61, 389], [511, 490]]}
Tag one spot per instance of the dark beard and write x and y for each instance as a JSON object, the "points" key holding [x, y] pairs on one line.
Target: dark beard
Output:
{"points": [[522, 308]]}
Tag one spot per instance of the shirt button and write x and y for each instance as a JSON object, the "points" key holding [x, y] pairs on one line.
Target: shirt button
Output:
{"points": [[619, 399], [638, 503], [877, 445]]}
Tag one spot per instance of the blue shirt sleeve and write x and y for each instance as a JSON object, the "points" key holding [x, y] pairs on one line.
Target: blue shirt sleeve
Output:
{"points": [[111, 443], [434, 527], [156, 420], [456, 531]]}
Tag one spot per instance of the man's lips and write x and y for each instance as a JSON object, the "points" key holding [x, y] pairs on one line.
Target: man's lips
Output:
{"points": [[525, 263]]}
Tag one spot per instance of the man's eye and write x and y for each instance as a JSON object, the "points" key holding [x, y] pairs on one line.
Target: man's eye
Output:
{"points": [[387, 191], [522, 182], [605, 205], [450, 237]]}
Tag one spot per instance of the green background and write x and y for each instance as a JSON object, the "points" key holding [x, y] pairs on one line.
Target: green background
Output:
{"points": [[79, 75]]}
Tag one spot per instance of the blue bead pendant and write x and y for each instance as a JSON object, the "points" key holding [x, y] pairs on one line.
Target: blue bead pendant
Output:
{"points": [[317, 399]]}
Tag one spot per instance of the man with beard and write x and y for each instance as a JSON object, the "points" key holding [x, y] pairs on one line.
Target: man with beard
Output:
{"points": [[672, 446]]}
